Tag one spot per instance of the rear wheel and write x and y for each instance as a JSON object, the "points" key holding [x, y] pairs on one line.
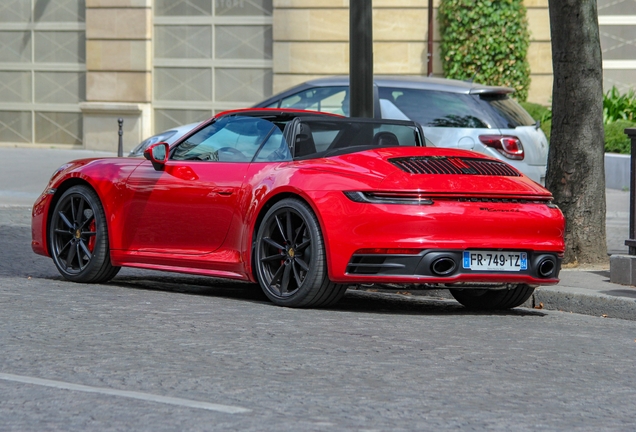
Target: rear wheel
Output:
{"points": [[290, 260], [493, 299], [78, 237]]}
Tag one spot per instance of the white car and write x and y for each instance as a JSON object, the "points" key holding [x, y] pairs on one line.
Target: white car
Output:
{"points": [[455, 114], [169, 136]]}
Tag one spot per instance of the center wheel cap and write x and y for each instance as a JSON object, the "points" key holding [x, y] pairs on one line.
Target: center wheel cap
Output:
{"points": [[78, 234], [291, 252]]}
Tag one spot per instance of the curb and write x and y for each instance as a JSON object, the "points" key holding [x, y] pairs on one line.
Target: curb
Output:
{"points": [[585, 302], [559, 298]]}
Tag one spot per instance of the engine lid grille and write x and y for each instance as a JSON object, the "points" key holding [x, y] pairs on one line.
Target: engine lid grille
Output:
{"points": [[453, 165]]}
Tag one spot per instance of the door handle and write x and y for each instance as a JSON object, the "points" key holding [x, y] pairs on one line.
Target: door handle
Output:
{"points": [[223, 191]]}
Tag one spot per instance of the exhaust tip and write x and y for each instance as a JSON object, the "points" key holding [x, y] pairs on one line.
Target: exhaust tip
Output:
{"points": [[443, 266], [546, 267]]}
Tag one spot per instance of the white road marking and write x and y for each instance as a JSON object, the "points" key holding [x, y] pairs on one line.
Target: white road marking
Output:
{"points": [[124, 393]]}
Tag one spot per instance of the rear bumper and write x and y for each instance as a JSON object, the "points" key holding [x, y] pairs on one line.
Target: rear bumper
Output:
{"points": [[447, 266], [414, 234]]}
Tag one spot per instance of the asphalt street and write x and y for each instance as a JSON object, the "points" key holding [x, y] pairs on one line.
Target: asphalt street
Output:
{"points": [[164, 352], [155, 351]]}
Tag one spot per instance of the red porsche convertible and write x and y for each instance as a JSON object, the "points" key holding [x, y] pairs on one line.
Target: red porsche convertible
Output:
{"points": [[306, 204]]}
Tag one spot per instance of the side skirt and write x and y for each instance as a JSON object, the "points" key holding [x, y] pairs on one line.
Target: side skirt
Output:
{"points": [[222, 264]]}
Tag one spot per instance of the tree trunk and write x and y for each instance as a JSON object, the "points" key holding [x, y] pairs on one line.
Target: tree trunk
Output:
{"points": [[576, 172]]}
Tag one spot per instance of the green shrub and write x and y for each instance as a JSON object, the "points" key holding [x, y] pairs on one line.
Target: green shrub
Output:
{"points": [[541, 113], [486, 41], [619, 113], [615, 139], [618, 106]]}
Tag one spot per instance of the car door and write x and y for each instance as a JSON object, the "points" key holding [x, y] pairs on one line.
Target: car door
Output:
{"points": [[187, 207]]}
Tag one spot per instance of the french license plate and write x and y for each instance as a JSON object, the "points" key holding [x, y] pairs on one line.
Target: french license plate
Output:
{"points": [[495, 260]]}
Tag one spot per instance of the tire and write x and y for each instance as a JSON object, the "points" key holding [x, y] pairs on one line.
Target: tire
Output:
{"points": [[290, 261], [493, 299], [78, 237]]}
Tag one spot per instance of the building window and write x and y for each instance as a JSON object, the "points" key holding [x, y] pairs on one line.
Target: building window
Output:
{"points": [[617, 26], [209, 56], [42, 71]]}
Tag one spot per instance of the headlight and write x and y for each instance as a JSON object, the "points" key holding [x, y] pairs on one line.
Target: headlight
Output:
{"points": [[60, 169]]}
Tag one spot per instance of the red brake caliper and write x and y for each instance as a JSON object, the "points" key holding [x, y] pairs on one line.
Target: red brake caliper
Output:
{"points": [[91, 240]]}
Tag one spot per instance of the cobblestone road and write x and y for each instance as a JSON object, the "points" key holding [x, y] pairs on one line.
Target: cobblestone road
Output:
{"points": [[375, 362]]}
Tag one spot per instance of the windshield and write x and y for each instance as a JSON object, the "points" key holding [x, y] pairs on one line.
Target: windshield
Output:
{"points": [[236, 139], [433, 108], [321, 138]]}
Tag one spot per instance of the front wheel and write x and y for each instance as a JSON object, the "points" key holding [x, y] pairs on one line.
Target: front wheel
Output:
{"points": [[290, 259], [78, 237], [493, 299]]}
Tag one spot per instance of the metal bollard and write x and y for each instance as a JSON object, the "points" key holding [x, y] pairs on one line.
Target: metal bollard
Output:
{"points": [[120, 147], [631, 242]]}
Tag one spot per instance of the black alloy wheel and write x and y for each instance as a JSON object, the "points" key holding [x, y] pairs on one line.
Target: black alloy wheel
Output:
{"points": [[290, 260], [78, 237], [484, 299]]}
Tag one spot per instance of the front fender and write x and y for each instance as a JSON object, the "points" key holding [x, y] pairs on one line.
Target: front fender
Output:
{"points": [[106, 177]]}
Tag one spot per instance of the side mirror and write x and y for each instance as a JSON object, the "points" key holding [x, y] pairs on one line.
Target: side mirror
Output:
{"points": [[158, 155]]}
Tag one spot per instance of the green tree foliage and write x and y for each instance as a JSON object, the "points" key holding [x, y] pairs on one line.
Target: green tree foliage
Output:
{"points": [[486, 40]]}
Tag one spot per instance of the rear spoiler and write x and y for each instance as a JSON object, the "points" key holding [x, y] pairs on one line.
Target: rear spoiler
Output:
{"points": [[491, 90]]}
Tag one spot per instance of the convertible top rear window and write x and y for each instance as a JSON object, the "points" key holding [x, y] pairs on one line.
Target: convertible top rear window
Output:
{"points": [[319, 137]]}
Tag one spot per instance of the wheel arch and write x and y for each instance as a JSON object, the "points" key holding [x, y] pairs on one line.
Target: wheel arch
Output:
{"points": [[271, 201], [63, 187]]}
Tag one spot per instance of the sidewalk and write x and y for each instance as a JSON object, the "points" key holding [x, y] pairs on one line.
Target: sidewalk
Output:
{"points": [[24, 173], [588, 292]]}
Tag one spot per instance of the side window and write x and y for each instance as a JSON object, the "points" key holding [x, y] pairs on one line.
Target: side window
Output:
{"points": [[275, 149], [333, 100], [229, 139], [295, 101]]}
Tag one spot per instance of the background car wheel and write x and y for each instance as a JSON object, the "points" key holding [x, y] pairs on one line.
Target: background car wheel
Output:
{"points": [[78, 237], [493, 299], [290, 258]]}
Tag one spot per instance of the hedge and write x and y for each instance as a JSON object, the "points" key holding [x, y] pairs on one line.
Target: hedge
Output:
{"points": [[486, 41]]}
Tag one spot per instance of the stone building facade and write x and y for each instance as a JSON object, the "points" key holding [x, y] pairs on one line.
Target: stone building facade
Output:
{"points": [[70, 68]]}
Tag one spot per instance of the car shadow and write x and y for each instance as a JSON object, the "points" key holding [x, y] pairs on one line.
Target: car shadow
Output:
{"points": [[392, 303], [195, 285], [357, 301]]}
